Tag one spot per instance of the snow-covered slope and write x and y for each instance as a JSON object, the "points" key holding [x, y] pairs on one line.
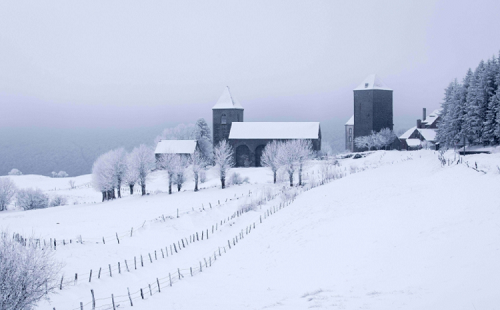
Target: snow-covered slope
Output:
{"points": [[400, 233]]}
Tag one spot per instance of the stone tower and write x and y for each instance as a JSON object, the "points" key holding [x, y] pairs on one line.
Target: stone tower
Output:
{"points": [[372, 107], [226, 111]]}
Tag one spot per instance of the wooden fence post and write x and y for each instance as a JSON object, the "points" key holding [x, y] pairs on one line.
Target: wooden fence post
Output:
{"points": [[158, 282], [60, 286], [90, 277], [117, 238], [150, 259], [126, 265], [191, 269], [130, 298], [99, 275], [93, 299], [113, 301], [142, 295], [170, 278], [150, 292]]}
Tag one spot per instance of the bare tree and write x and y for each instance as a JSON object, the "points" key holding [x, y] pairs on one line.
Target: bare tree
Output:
{"points": [[71, 184], [143, 161], [7, 191], [27, 274], [198, 163], [223, 157], [270, 157], [30, 199], [386, 137]]}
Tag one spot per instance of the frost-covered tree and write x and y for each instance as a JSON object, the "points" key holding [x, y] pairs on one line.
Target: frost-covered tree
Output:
{"points": [[7, 191], [304, 154], [288, 158], [223, 158], [363, 142], [142, 161], [15, 172], [386, 137], [131, 175], [179, 132], [270, 157], [169, 163], [119, 161], [180, 169], [103, 175], [204, 137], [29, 199], [27, 274], [197, 161]]}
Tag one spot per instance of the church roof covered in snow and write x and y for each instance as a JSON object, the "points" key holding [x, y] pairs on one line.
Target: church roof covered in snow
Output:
{"points": [[227, 101], [176, 147], [372, 82], [350, 121], [274, 130]]}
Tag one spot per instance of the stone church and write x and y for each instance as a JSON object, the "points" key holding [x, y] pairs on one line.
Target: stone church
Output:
{"points": [[372, 110], [248, 139]]}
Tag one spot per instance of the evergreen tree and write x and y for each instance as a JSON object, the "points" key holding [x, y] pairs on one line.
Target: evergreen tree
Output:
{"points": [[204, 137], [489, 88]]}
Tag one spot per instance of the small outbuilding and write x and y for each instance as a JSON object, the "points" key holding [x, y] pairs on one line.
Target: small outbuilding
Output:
{"points": [[181, 147]]}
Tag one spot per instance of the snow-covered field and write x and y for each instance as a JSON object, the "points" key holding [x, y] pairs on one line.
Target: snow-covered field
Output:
{"points": [[399, 231]]}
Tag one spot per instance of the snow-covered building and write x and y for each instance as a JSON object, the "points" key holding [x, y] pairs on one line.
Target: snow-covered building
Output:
{"points": [[423, 135], [181, 147], [372, 108], [248, 139], [349, 134]]}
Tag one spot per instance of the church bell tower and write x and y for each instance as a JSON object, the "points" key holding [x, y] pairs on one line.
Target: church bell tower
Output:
{"points": [[226, 111]]}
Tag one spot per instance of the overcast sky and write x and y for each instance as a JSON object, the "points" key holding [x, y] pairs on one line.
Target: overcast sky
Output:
{"points": [[145, 63]]}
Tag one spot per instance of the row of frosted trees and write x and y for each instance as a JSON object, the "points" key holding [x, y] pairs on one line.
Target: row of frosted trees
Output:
{"points": [[471, 109]]}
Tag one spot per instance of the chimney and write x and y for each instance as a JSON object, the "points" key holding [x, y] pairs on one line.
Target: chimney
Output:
{"points": [[419, 123], [424, 114]]}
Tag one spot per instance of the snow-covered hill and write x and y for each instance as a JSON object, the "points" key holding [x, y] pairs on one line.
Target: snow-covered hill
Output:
{"points": [[399, 231]]}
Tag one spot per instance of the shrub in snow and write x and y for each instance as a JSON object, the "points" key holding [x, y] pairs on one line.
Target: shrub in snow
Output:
{"points": [[58, 200], [223, 157], [288, 194], [27, 274], [7, 191], [71, 184], [236, 179], [15, 172], [60, 174], [30, 199]]}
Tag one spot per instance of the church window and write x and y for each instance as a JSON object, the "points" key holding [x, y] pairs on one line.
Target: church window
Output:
{"points": [[366, 85], [350, 131], [223, 119], [350, 138]]}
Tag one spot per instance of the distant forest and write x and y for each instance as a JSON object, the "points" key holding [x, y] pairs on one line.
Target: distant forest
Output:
{"points": [[471, 109], [74, 150]]}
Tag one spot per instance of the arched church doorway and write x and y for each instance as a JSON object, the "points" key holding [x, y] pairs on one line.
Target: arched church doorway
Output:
{"points": [[258, 155], [242, 156]]}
